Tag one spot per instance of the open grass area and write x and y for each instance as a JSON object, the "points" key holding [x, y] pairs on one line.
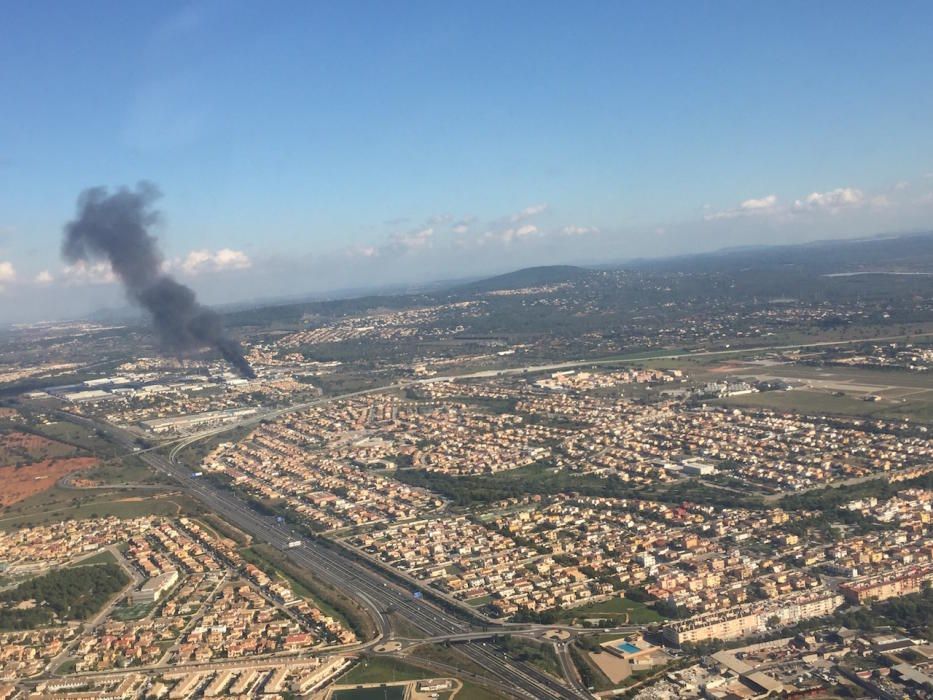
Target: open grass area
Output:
{"points": [[472, 691], [132, 612], [541, 655], [85, 438], [480, 601], [128, 469], [916, 406], [834, 373], [403, 628], [56, 505], [383, 669], [67, 666], [803, 401], [391, 692], [448, 655], [102, 557], [619, 609]]}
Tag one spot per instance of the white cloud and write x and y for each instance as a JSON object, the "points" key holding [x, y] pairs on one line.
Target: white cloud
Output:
{"points": [[192, 262], [528, 212], [832, 201], [749, 207], [363, 251], [513, 233], [7, 273], [768, 202], [228, 259], [578, 230], [44, 277], [84, 273], [198, 261], [412, 240], [463, 226], [446, 233]]}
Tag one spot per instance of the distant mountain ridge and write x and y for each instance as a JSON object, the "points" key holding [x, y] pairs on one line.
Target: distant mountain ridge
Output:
{"points": [[527, 277], [908, 252], [892, 252]]}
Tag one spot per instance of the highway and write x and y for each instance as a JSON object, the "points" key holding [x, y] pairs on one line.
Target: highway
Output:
{"points": [[373, 590]]}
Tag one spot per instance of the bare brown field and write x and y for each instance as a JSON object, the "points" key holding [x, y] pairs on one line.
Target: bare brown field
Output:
{"points": [[19, 483], [21, 449]]}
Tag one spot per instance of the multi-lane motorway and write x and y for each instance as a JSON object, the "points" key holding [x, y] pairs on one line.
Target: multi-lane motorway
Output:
{"points": [[370, 587]]}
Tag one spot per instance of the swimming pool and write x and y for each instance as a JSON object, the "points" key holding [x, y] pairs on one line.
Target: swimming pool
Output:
{"points": [[628, 648]]}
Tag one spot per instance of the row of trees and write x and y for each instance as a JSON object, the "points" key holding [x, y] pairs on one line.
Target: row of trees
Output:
{"points": [[61, 596]]}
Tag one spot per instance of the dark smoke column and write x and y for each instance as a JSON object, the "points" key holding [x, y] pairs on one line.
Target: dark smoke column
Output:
{"points": [[115, 227]]}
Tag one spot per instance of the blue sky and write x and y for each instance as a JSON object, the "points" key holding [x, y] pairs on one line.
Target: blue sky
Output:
{"points": [[303, 146]]}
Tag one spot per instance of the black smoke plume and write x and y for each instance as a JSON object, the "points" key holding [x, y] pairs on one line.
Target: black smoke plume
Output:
{"points": [[115, 227]]}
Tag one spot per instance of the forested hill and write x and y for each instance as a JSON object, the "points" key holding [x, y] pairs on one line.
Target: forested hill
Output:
{"points": [[528, 277]]}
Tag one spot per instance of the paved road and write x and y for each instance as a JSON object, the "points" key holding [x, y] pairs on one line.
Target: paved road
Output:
{"points": [[568, 668], [375, 592], [372, 589]]}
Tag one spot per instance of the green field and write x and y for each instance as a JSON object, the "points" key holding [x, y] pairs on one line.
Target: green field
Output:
{"points": [[917, 407], [85, 438], [57, 504], [403, 628], [383, 669], [390, 692], [540, 654], [854, 375], [68, 666], [102, 557], [471, 691], [449, 656], [129, 469], [621, 610], [132, 612], [803, 401], [480, 602]]}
